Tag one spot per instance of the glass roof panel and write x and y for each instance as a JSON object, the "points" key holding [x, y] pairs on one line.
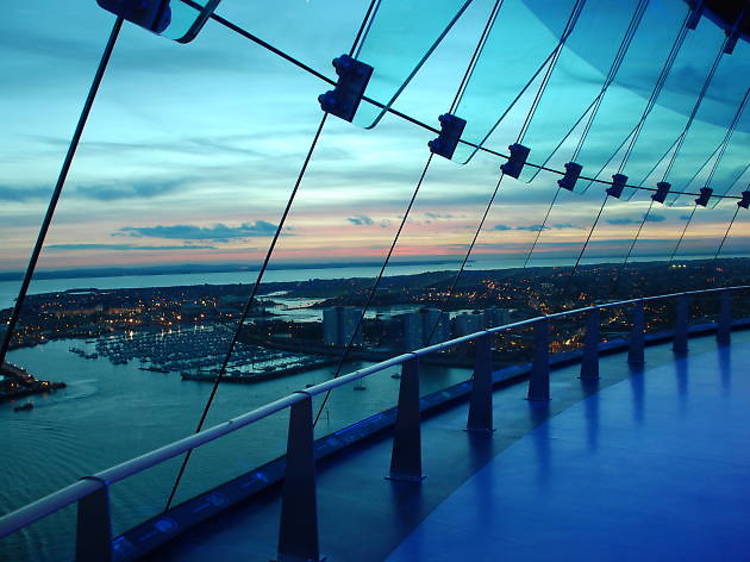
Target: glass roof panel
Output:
{"points": [[398, 40], [710, 130], [576, 82], [627, 98], [656, 140], [521, 40]]}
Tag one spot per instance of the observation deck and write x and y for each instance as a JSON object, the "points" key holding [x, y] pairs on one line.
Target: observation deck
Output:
{"points": [[645, 464], [622, 449]]}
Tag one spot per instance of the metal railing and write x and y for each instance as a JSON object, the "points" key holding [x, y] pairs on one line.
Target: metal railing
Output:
{"points": [[298, 536]]}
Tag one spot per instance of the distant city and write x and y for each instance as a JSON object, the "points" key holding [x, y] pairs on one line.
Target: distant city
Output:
{"points": [[302, 325]]}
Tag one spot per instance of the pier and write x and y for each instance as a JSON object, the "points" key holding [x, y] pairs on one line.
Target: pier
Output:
{"points": [[18, 383]]}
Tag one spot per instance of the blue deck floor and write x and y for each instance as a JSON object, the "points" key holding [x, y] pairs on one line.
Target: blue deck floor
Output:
{"points": [[649, 466], [656, 467]]}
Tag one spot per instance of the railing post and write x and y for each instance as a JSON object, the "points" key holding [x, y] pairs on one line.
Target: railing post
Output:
{"points": [[298, 530], [480, 403], [539, 379], [724, 329], [590, 361], [406, 456], [682, 322], [94, 527], [636, 352]]}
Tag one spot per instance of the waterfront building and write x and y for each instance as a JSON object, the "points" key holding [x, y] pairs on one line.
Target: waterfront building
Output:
{"points": [[468, 322], [425, 326], [412, 330], [339, 323], [496, 317]]}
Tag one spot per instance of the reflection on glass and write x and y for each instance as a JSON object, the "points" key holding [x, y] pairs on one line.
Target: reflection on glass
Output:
{"points": [[555, 131], [627, 98], [657, 140], [720, 129], [522, 38]]}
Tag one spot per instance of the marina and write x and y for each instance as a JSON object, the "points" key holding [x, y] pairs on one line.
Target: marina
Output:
{"points": [[197, 352]]}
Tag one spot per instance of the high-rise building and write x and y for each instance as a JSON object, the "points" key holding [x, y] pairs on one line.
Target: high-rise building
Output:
{"points": [[496, 317], [435, 326], [424, 327], [412, 323], [468, 323], [339, 323]]}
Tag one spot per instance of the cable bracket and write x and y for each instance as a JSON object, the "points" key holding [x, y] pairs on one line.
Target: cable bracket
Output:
{"points": [[696, 12], [518, 155], [662, 190], [345, 98], [451, 128], [705, 195], [153, 15], [618, 184], [572, 173]]}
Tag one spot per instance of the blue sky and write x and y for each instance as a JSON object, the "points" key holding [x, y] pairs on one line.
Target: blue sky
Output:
{"points": [[191, 150]]}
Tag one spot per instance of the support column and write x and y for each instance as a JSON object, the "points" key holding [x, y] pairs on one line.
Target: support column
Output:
{"points": [[406, 456], [590, 361], [480, 402], [539, 379], [298, 529], [724, 329], [682, 322], [94, 526], [636, 352]]}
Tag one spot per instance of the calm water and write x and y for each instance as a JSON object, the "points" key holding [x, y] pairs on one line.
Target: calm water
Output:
{"points": [[109, 413]]}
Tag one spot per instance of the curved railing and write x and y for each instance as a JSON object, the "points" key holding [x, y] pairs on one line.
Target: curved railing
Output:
{"points": [[93, 535]]}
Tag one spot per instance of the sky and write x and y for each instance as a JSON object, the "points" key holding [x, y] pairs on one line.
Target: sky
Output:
{"points": [[192, 149]]}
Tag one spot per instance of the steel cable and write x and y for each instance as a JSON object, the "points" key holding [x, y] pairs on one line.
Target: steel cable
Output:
{"points": [[59, 185], [592, 111], [269, 253], [373, 289]]}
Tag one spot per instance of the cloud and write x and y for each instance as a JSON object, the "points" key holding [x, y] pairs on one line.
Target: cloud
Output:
{"points": [[655, 218], [439, 215], [26, 42], [21, 194], [361, 220], [218, 232], [647, 218], [122, 247], [183, 146], [144, 189], [533, 227], [685, 217]]}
